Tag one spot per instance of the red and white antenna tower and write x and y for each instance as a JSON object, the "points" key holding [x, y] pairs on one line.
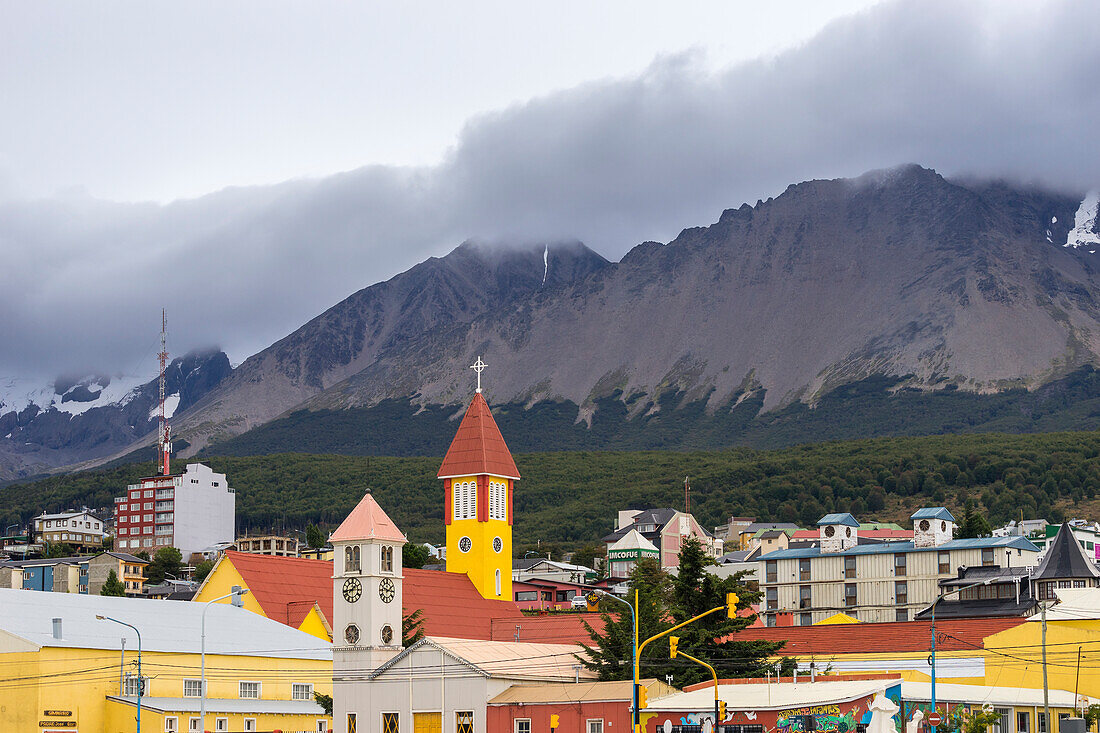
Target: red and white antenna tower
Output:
{"points": [[164, 442]]}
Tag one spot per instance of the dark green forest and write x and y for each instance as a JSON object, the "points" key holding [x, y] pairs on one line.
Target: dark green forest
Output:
{"points": [[571, 497], [873, 407]]}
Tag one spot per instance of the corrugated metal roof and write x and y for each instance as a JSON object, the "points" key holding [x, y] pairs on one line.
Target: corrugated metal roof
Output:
{"points": [[964, 634], [505, 659], [619, 691], [774, 696], [934, 512], [979, 543], [980, 694], [838, 518], [166, 626]]}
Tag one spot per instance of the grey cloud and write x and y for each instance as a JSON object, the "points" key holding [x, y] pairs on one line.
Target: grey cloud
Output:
{"points": [[985, 89]]}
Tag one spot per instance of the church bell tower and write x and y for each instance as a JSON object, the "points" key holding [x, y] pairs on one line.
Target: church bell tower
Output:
{"points": [[479, 476]]}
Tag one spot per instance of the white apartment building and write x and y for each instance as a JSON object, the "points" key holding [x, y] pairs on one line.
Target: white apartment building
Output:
{"points": [[880, 581], [189, 511], [80, 528]]}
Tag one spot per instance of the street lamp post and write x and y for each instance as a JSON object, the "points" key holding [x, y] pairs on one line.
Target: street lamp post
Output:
{"points": [[141, 682], [237, 593], [634, 657], [939, 598]]}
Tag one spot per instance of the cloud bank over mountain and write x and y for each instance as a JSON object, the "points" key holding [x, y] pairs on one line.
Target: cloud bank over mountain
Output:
{"points": [[986, 89]]}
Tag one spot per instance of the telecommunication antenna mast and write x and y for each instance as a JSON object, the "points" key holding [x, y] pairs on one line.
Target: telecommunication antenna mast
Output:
{"points": [[164, 441]]}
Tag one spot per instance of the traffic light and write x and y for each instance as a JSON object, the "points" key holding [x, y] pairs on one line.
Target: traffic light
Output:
{"points": [[554, 719], [673, 642], [731, 605], [643, 697], [593, 600], [721, 710]]}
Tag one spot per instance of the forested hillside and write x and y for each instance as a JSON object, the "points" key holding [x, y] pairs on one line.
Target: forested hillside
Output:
{"points": [[572, 497]]}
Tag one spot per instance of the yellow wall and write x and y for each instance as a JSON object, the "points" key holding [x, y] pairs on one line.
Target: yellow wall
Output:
{"points": [[79, 680], [120, 719], [220, 582], [1016, 654], [481, 562], [314, 624]]}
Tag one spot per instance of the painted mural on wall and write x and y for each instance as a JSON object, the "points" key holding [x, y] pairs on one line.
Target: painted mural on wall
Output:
{"points": [[827, 718]]}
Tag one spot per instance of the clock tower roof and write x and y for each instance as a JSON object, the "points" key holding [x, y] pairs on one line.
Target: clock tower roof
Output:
{"points": [[367, 521], [478, 447]]}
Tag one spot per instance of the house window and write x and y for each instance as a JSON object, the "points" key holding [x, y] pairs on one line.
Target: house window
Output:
{"points": [[301, 691], [804, 569], [387, 559], [221, 725], [772, 596], [498, 581], [805, 619], [132, 685], [250, 725], [987, 557], [899, 564], [192, 688], [945, 563], [804, 601], [194, 724], [850, 566], [849, 594], [594, 726], [527, 595], [322, 726], [901, 592], [771, 619], [901, 615], [464, 722], [248, 690], [771, 571], [389, 723], [521, 725], [1023, 720], [1041, 722], [171, 724]]}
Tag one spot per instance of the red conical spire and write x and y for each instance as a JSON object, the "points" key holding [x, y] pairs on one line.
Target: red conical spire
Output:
{"points": [[478, 447]]}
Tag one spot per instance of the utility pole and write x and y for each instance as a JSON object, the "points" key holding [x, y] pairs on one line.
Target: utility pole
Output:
{"points": [[164, 431], [687, 496], [1046, 689]]}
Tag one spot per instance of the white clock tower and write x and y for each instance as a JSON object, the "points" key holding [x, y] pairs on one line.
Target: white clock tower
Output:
{"points": [[366, 604]]}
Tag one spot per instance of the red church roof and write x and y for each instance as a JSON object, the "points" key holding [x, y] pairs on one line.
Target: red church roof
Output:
{"points": [[478, 447], [287, 587]]}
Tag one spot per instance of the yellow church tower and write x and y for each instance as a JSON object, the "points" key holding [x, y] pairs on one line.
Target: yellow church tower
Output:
{"points": [[479, 476]]}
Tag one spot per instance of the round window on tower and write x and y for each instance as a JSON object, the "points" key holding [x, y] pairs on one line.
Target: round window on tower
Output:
{"points": [[351, 634], [848, 531], [387, 634], [924, 525], [498, 544], [943, 526], [465, 544], [830, 531]]}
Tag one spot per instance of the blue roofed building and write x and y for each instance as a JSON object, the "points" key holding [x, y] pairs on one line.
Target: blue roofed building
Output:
{"points": [[872, 580]]}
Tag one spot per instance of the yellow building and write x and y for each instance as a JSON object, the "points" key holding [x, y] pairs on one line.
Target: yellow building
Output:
{"points": [[479, 477], [62, 668], [995, 660], [293, 591]]}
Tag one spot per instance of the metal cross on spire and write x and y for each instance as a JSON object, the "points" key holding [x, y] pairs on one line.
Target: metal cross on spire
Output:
{"points": [[479, 366]]}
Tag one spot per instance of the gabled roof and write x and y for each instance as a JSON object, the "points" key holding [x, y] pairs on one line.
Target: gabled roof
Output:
{"points": [[843, 518], [633, 540], [1065, 558], [977, 543], [478, 447], [935, 512], [367, 521], [657, 517], [287, 587], [165, 626], [504, 659]]}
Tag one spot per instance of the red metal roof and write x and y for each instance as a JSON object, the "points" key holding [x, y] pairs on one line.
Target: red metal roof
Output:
{"points": [[909, 636], [553, 628], [478, 447], [287, 587]]}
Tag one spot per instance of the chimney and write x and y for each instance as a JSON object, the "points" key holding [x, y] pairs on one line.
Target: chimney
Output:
{"points": [[57, 628], [784, 618]]}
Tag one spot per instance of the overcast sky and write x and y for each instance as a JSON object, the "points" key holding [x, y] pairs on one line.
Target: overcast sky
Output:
{"points": [[248, 164]]}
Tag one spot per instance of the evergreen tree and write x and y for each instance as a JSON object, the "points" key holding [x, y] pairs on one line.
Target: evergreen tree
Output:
{"points": [[973, 524], [612, 650], [113, 586], [712, 638], [167, 561], [412, 627], [202, 570], [414, 556], [315, 538]]}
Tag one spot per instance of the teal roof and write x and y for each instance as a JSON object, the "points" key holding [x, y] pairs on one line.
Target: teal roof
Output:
{"points": [[838, 518], [935, 512], [979, 543]]}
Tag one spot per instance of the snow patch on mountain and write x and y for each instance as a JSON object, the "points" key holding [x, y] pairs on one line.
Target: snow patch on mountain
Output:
{"points": [[72, 397], [1086, 233], [171, 402]]}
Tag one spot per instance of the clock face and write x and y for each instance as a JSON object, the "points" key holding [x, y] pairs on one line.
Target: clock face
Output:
{"points": [[498, 544], [351, 634], [387, 634], [386, 590], [465, 544], [353, 589]]}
